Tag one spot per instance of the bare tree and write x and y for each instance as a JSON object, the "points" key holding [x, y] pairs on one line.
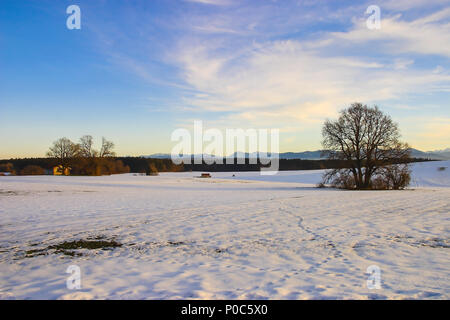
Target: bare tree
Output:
{"points": [[64, 150], [369, 142], [107, 149], [86, 147]]}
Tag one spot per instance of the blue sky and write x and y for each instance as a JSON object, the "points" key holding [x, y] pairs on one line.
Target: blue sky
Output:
{"points": [[137, 70]]}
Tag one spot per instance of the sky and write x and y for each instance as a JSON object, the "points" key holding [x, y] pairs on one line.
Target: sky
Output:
{"points": [[138, 70]]}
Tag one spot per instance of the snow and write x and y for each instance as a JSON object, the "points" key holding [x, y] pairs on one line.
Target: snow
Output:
{"points": [[242, 237], [427, 174]]}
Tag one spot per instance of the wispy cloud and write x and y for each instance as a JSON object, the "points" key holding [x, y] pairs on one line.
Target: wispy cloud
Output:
{"points": [[405, 5], [291, 64], [426, 35], [281, 80]]}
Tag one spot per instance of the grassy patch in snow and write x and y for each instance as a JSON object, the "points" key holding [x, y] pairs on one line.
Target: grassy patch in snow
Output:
{"points": [[70, 248], [86, 244], [8, 193], [429, 242]]}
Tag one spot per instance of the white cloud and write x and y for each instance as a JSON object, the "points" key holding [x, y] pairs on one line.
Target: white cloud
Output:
{"points": [[405, 5], [281, 81], [272, 65], [402, 64], [295, 84], [426, 35]]}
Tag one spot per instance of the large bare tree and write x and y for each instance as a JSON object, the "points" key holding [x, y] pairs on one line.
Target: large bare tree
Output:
{"points": [[369, 143], [65, 151]]}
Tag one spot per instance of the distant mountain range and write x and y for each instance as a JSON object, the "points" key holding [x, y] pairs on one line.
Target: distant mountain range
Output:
{"points": [[435, 155], [316, 155]]}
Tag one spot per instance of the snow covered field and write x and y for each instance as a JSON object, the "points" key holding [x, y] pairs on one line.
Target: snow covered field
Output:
{"points": [[242, 237]]}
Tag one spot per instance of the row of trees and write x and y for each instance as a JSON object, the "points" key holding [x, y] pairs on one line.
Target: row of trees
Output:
{"points": [[81, 158], [39, 166], [151, 166]]}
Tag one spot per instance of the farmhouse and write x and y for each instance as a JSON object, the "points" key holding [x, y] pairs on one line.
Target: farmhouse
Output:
{"points": [[58, 171]]}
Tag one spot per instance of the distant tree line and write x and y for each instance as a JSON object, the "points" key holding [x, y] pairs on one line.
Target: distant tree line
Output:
{"points": [[79, 158], [151, 166], [363, 149], [286, 165]]}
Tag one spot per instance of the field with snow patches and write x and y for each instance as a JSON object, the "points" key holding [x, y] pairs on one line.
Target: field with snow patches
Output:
{"points": [[245, 237]]}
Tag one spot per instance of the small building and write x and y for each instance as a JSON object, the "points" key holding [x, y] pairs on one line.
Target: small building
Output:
{"points": [[58, 171]]}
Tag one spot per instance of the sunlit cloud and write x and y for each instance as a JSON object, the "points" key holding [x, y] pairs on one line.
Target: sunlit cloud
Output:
{"points": [[426, 35], [294, 79]]}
